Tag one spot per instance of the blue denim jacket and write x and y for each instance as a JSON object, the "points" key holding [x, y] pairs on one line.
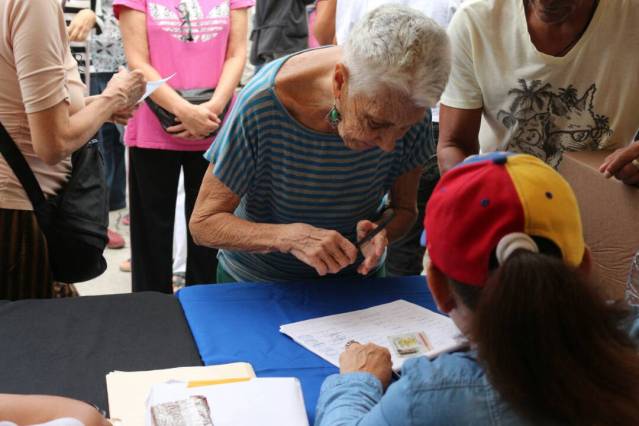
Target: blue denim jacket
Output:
{"points": [[452, 389]]}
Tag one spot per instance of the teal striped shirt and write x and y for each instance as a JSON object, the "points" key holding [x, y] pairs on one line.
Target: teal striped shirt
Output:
{"points": [[286, 173]]}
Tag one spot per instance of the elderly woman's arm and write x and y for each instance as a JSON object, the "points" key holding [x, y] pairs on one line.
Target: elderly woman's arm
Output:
{"points": [[213, 224], [403, 197], [404, 206]]}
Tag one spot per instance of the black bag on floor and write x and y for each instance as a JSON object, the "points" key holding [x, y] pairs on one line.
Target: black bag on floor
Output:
{"points": [[75, 221]]}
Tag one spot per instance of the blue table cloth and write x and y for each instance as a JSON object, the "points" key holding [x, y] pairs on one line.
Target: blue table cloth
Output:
{"points": [[240, 322]]}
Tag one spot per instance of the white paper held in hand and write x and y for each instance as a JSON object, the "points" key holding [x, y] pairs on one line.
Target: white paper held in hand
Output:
{"points": [[152, 86], [406, 329]]}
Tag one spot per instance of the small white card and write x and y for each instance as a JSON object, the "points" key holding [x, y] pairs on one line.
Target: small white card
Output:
{"points": [[152, 86]]}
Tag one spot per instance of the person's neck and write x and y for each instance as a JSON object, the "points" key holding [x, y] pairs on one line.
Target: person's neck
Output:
{"points": [[304, 85], [557, 39]]}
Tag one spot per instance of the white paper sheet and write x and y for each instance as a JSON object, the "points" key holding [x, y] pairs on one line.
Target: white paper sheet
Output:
{"points": [[261, 401], [327, 336], [152, 86]]}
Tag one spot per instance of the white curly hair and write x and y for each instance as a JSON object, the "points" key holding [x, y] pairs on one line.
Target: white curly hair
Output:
{"points": [[400, 48]]}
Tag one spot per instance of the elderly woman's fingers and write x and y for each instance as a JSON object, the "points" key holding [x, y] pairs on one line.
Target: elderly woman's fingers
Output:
{"points": [[364, 227], [332, 261], [344, 253], [325, 250], [373, 251]]}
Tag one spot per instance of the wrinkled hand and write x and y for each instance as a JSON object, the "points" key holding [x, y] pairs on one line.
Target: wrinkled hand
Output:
{"points": [[620, 164], [372, 250], [326, 251], [195, 122], [81, 25], [128, 87], [368, 358]]}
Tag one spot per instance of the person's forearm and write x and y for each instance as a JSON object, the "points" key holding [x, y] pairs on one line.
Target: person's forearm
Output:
{"points": [[449, 156], [164, 96], [324, 29], [70, 133], [234, 62], [229, 232], [229, 80], [86, 122], [402, 222], [349, 399]]}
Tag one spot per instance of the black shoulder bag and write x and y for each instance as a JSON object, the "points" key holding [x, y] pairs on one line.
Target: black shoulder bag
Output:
{"points": [[75, 221], [194, 96]]}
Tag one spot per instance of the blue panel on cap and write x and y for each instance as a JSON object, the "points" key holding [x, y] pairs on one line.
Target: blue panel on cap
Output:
{"points": [[497, 157]]}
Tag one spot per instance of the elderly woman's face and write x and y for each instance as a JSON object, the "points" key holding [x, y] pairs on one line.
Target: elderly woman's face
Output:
{"points": [[377, 121]]}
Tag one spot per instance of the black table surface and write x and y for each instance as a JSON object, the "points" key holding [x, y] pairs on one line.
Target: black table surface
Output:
{"points": [[66, 347]]}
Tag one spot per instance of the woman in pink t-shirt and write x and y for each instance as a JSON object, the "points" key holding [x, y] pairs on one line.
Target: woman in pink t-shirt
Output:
{"points": [[203, 44]]}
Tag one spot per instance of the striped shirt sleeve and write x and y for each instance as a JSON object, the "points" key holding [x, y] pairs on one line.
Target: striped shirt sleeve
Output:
{"points": [[418, 146], [234, 151]]}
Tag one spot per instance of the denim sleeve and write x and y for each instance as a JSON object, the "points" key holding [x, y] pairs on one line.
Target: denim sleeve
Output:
{"points": [[358, 399]]}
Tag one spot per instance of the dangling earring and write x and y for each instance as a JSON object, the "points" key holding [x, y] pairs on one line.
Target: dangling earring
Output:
{"points": [[333, 117]]}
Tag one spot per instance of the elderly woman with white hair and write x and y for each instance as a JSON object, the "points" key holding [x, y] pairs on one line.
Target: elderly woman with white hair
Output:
{"points": [[302, 167]]}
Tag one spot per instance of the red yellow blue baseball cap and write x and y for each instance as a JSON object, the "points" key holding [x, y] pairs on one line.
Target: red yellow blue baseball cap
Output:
{"points": [[490, 197]]}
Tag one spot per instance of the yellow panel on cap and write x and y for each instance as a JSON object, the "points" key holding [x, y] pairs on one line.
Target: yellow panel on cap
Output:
{"points": [[550, 207]]}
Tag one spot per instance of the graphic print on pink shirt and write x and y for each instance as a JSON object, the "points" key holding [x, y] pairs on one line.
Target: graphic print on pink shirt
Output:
{"points": [[188, 22]]}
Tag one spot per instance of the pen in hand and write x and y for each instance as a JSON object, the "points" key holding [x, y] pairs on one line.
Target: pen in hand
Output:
{"points": [[374, 232]]}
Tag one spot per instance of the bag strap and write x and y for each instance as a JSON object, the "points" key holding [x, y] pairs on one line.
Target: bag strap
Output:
{"points": [[23, 172]]}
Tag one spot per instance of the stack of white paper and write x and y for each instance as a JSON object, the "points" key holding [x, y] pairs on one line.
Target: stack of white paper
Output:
{"points": [[128, 391], [264, 402], [422, 331]]}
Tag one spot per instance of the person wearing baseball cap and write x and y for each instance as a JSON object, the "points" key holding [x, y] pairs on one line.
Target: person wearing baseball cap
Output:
{"points": [[509, 265]]}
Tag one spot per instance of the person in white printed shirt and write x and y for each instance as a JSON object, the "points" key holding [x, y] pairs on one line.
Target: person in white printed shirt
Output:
{"points": [[543, 77]]}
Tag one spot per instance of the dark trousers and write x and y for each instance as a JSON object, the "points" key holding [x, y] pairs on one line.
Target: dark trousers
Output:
{"points": [[406, 254], [153, 180], [112, 147]]}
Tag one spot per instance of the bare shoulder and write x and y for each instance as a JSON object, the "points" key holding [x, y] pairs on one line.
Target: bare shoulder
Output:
{"points": [[301, 71], [304, 81]]}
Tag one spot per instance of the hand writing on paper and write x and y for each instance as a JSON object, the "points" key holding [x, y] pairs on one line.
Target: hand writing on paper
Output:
{"points": [[623, 164], [372, 250], [326, 251], [368, 358]]}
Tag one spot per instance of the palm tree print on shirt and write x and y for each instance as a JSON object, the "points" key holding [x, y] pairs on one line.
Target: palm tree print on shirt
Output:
{"points": [[545, 123]]}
